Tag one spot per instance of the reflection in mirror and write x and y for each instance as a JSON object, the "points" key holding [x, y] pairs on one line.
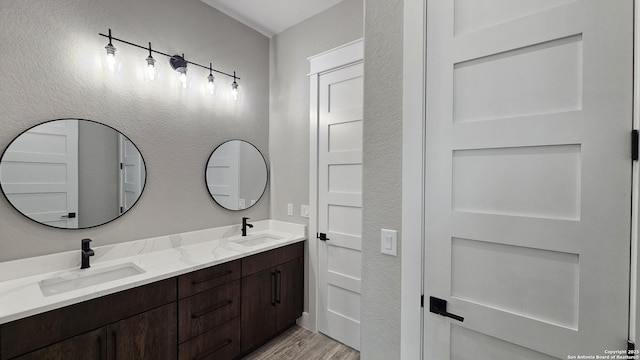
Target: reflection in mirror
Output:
{"points": [[72, 173], [236, 175]]}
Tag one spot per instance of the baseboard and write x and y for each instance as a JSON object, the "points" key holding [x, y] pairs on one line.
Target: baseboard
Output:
{"points": [[305, 322]]}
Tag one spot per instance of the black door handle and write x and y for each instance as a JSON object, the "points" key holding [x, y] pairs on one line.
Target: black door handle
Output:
{"points": [[322, 237], [439, 306]]}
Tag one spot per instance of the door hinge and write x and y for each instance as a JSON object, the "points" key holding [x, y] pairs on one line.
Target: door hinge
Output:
{"points": [[421, 300], [121, 166], [634, 145], [121, 209], [631, 346]]}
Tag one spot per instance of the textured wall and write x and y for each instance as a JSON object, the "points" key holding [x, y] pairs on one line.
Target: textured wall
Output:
{"points": [[52, 58], [382, 177], [289, 103]]}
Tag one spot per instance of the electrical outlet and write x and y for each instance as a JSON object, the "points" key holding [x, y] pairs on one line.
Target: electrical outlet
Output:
{"points": [[290, 209], [304, 211]]}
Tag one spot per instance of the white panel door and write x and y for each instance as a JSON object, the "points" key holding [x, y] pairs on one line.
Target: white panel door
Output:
{"points": [[340, 203], [40, 173], [132, 173], [528, 177], [223, 175]]}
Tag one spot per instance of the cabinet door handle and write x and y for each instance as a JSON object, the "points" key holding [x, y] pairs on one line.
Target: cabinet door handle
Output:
{"points": [[99, 347], [115, 345], [278, 286], [273, 289], [212, 277], [212, 350], [211, 309]]}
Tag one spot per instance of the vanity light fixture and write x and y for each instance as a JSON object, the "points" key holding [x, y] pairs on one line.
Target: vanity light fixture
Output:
{"points": [[211, 86], [111, 54], [234, 88], [178, 63], [152, 72]]}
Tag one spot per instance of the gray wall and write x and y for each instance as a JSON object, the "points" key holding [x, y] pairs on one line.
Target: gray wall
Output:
{"points": [[382, 177], [289, 105], [54, 70], [98, 174], [289, 100]]}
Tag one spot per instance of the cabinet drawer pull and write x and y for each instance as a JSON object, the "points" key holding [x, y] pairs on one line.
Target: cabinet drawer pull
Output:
{"points": [[278, 286], [212, 350], [211, 309], [115, 345], [99, 347], [212, 277], [273, 289]]}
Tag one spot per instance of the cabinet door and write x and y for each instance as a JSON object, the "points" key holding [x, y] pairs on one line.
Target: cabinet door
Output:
{"points": [[289, 293], [258, 308], [149, 336], [89, 346]]}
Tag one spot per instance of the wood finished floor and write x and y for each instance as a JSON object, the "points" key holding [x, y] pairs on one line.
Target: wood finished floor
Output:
{"points": [[299, 343]]}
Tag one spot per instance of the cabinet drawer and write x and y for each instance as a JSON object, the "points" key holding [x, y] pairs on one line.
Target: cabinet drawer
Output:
{"points": [[221, 343], [206, 310], [205, 279], [271, 258], [56, 325]]}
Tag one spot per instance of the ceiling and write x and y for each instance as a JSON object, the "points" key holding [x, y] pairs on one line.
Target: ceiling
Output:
{"points": [[271, 17]]}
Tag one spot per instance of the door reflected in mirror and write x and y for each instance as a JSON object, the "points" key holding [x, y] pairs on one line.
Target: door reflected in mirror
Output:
{"points": [[72, 173], [236, 175]]}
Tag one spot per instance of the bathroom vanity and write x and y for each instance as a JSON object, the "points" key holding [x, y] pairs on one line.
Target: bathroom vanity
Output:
{"points": [[221, 311]]}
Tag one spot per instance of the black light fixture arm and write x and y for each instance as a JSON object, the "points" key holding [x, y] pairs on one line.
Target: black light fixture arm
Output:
{"points": [[111, 38]]}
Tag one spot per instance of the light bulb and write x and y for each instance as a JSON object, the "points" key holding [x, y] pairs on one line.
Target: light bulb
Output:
{"points": [[152, 74], [211, 88], [111, 57], [183, 79], [234, 91]]}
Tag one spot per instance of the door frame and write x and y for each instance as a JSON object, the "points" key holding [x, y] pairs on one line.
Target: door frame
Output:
{"points": [[413, 173], [344, 55]]}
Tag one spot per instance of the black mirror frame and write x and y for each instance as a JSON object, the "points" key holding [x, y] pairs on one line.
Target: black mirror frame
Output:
{"points": [[144, 185], [266, 166]]}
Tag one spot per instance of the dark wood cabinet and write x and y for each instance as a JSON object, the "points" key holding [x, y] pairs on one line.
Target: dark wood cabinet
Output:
{"points": [[217, 313], [290, 293], [48, 329], [258, 309], [147, 336], [209, 313], [88, 346], [272, 298]]}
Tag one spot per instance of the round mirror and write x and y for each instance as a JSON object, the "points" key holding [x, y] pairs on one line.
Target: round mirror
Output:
{"points": [[236, 175], [72, 173]]}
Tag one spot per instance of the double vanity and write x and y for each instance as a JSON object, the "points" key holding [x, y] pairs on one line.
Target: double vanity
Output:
{"points": [[208, 294]]}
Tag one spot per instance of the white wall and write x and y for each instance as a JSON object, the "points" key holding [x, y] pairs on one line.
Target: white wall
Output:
{"points": [[52, 58], [382, 177]]}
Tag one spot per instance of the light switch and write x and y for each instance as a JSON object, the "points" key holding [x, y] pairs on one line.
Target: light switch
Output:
{"points": [[304, 211], [290, 209], [241, 203], [388, 242]]}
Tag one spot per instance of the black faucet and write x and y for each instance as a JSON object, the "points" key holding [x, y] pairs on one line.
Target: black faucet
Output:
{"points": [[245, 225], [86, 253]]}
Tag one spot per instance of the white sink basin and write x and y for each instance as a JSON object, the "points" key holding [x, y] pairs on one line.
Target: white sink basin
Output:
{"points": [[257, 239], [78, 279]]}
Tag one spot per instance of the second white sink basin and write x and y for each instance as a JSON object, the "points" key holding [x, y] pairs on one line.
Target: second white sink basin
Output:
{"points": [[257, 239], [78, 279]]}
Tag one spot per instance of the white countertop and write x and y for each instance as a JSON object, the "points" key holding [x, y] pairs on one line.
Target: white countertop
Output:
{"points": [[160, 257]]}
